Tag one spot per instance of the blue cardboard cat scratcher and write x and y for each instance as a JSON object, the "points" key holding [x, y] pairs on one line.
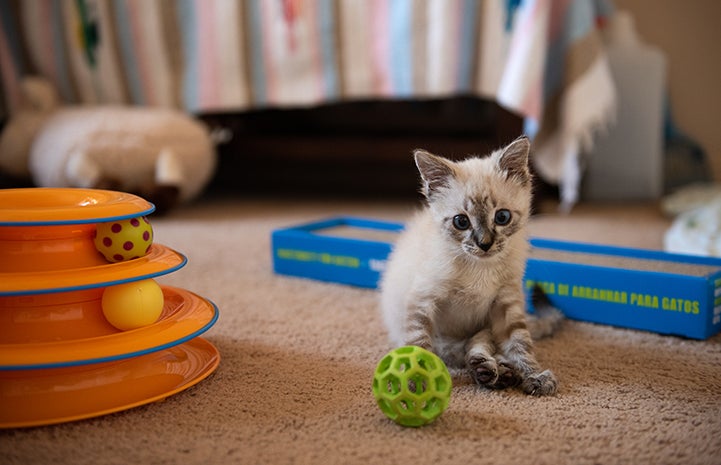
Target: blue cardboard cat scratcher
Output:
{"points": [[631, 288]]}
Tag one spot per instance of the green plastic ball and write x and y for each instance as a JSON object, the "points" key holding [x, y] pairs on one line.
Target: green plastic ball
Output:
{"points": [[412, 386]]}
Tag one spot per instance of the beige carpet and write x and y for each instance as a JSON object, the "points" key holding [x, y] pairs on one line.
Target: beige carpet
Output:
{"points": [[294, 382]]}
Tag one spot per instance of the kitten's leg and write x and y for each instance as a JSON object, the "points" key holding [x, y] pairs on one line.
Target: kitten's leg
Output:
{"points": [[419, 327], [515, 348], [517, 353], [479, 358]]}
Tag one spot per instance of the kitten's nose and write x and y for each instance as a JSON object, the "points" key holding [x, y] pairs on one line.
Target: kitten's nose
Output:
{"points": [[484, 241]]}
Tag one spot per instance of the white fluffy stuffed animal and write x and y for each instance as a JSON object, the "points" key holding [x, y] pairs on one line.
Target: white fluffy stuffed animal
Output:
{"points": [[160, 154]]}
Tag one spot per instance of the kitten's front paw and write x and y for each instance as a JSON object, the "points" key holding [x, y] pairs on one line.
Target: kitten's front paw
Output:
{"points": [[483, 370], [507, 377], [540, 384]]}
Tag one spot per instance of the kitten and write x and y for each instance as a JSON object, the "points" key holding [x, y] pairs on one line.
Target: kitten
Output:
{"points": [[453, 283]]}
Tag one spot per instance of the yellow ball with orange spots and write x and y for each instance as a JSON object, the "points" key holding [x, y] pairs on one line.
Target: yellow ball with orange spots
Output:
{"points": [[124, 240]]}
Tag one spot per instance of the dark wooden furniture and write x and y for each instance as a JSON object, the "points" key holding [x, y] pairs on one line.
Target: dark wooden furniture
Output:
{"points": [[357, 148]]}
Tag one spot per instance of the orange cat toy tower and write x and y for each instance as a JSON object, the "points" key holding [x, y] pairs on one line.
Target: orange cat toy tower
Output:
{"points": [[61, 359]]}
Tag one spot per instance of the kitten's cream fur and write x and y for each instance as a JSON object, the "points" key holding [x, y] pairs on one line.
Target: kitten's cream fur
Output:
{"points": [[454, 285]]}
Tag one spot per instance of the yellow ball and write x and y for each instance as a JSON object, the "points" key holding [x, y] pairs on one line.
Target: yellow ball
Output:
{"points": [[133, 305], [124, 240]]}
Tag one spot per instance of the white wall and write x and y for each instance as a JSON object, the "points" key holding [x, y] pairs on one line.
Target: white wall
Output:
{"points": [[689, 32]]}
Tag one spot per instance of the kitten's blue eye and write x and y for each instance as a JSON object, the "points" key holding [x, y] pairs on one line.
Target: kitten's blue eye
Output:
{"points": [[503, 217], [461, 222]]}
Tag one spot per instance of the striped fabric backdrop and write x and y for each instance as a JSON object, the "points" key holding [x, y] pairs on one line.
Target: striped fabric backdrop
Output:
{"points": [[540, 58], [213, 55]]}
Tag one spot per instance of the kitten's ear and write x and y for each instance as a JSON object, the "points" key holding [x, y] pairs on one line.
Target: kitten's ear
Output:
{"points": [[435, 171], [514, 160]]}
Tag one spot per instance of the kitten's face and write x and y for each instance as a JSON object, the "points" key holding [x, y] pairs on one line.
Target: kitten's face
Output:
{"points": [[479, 203], [482, 227]]}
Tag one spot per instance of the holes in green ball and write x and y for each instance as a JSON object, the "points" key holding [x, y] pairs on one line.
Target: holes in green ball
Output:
{"points": [[386, 407], [402, 364], [392, 385], [426, 362], [432, 408], [417, 384], [442, 384]]}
